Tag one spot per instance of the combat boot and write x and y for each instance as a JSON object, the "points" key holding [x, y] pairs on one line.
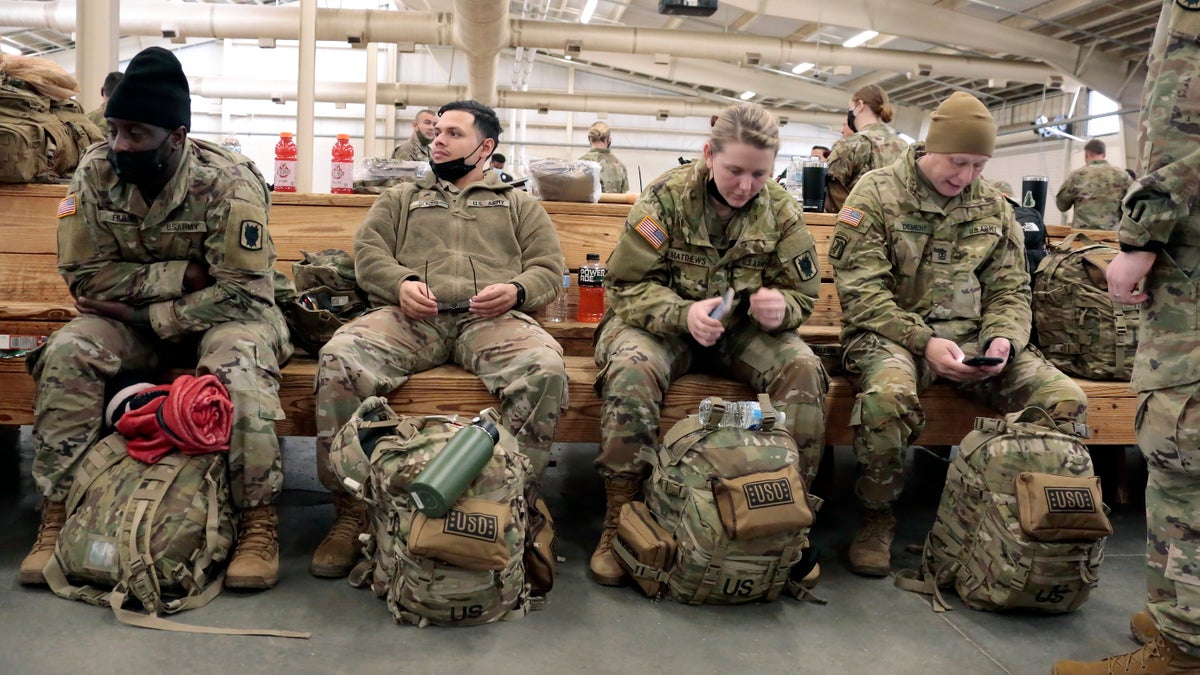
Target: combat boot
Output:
{"points": [[340, 549], [871, 551], [255, 563], [54, 514], [1160, 656], [1142, 627], [603, 567]]}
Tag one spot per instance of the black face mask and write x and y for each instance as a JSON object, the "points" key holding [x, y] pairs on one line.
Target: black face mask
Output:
{"points": [[140, 167], [850, 120], [713, 192], [454, 169]]}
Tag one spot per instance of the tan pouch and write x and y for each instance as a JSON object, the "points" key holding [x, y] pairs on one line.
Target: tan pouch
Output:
{"points": [[1060, 508], [762, 504], [540, 560], [470, 536], [644, 549]]}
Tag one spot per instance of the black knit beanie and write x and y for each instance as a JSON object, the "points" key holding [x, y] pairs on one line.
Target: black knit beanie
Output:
{"points": [[153, 91]]}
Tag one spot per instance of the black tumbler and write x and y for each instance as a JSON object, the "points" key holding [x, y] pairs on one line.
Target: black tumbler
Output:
{"points": [[814, 185], [1033, 192]]}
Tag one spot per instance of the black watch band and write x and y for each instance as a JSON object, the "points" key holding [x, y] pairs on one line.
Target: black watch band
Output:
{"points": [[520, 295]]}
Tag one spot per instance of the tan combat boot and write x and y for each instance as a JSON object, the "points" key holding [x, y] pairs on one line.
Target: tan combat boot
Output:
{"points": [[603, 567], [340, 549], [54, 514], [871, 551], [1142, 627], [255, 563], [1160, 656]]}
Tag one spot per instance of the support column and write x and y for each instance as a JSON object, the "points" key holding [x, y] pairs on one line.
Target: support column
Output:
{"points": [[304, 101], [392, 62], [371, 108], [97, 30]]}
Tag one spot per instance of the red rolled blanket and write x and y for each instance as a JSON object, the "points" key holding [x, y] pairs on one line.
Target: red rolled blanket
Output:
{"points": [[195, 416]]}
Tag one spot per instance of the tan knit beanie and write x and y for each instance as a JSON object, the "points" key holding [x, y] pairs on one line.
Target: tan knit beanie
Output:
{"points": [[961, 124]]}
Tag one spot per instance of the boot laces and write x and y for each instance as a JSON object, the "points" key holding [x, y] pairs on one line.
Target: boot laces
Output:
{"points": [[1126, 662], [257, 535], [877, 527], [349, 522], [53, 518]]}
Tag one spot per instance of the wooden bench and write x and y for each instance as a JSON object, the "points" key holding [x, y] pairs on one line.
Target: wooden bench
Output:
{"points": [[35, 301]]}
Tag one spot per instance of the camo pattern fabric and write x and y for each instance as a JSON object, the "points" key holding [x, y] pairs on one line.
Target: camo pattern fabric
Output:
{"points": [[1080, 329], [179, 540], [423, 590], [1094, 191], [327, 297], [40, 140], [977, 544], [613, 177], [709, 567], [873, 147]]}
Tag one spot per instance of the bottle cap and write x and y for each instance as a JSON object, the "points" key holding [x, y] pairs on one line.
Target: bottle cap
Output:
{"points": [[285, 134], [487, 426], [593, 256], [343, 137]]}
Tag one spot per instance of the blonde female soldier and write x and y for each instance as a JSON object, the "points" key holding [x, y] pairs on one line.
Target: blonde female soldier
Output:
{"points": [[872, 145]]}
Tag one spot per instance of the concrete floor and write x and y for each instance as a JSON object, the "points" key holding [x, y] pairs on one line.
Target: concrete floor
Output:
{"points": [[868, 626]]}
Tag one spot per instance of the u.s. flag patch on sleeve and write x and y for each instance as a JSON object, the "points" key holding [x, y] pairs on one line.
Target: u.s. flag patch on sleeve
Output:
{"points": [[66, 207], [850, 216], [652, 232]]}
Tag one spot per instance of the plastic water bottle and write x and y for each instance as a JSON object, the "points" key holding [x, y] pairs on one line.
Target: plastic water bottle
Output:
{"points": [[591, 289], [794, 181], [341, 176], [744, 414], [286, 161], [557, 311]]}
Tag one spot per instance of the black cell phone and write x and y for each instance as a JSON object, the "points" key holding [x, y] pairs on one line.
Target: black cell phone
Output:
{"points": [[983, 361]]}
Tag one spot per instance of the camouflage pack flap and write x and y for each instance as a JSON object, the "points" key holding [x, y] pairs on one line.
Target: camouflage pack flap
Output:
{"points": [[327, 296], [40, 141], [977, 544], [378, 454], [1079, 327]]}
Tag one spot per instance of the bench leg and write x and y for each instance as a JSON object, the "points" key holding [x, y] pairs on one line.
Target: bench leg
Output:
{"points": [[1110, 464]]}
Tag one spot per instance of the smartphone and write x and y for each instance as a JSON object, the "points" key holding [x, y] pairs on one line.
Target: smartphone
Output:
{"points": [[983, 361], [721, 309]]}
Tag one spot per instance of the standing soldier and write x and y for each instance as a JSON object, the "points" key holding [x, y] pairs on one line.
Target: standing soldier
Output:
{"points": [[416, 148], [930, 270], [110, 85], [612, 172], [1160, 247], [1094, 190], [163, 242], [455, 264], [871, 144], [696, 231]]}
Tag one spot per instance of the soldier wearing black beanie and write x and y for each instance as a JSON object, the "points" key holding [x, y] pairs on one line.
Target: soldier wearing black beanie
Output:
{"points": [[153, 91]]}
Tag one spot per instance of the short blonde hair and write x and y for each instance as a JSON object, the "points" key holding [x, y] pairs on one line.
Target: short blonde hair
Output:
{"points": [[748, 123], [598, 132]]}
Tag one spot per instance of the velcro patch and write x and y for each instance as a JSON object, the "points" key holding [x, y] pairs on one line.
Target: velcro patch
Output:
{"points": [[481, 526], [850, 216], [806, 265], [1069, 500], [767, 493], [252, 235], [837, 247], [66, 207], [652, 232]]}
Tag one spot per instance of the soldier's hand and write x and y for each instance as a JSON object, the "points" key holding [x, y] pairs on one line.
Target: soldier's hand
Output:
{"points": [[196, 277], [111, 309], [416, 300], [944, 359], [768, 307], [704, 329], [493, 300], [1124, 274], [999, 348]]}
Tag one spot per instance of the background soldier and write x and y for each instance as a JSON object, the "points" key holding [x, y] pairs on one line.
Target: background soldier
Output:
{"points": [[110, 84], [872, 144], [1094, 190], [452, 262], [1160, 246], [958, 288], [163, 242], [416, 148], [612, 172], [696, 231]]}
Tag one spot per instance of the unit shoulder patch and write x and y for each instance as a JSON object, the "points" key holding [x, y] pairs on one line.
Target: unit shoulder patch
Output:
{"points": [[252, 235], [837, 247], [806, 265]]}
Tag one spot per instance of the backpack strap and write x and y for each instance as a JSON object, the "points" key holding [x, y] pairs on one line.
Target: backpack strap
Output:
{"points": [[923, 581], [711, 575], [769, 415], [637, 569]]}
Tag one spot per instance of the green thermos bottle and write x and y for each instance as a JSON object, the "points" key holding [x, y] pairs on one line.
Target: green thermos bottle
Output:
{"points": [[449, 474]]}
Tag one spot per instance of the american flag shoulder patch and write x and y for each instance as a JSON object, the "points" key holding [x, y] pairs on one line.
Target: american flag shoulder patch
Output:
{"points": [[850, 216], [66, 207], [652, 232]]}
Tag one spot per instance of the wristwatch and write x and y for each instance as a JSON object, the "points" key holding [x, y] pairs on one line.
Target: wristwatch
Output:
{"points": [[520, 295]]}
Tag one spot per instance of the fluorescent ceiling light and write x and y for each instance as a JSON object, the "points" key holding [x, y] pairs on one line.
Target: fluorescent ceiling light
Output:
{"points": [[9, 49], [860, 38], [747, 95], [802, 68], [588, 9]]}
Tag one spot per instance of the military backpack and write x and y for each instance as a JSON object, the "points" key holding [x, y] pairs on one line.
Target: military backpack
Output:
{"points": [[155, 533], [490, 558], [726, 514], [327, 296], [1080, 329], [41, 139], [1021, 523]]}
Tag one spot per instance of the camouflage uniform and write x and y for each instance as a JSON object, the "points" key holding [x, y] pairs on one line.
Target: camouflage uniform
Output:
{"points": [[97, 118], [1095, 191], [910, 269], [873, 147], [457, 242], [612, 172], [644, 342], [113, 246], [1160, 214], [412, 150]]}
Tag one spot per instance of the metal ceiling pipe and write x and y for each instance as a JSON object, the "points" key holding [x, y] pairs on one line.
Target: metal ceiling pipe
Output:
{"points": [[481, 31]]}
